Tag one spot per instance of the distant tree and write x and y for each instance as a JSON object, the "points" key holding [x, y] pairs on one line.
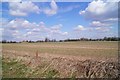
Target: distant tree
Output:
{"points": [[105, 38], [10, 42], [54, 40], [4, 41], [61, 40], [47, 40], [27, 41]]}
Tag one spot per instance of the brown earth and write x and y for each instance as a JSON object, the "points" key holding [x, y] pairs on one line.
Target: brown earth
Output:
{"points": [[67, 64]]}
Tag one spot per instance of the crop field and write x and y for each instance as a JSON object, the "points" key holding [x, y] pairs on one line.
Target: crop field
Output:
{"points": [[60, 59]]}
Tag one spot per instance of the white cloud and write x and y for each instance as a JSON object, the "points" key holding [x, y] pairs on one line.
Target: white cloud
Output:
{"points": [[99, 24], [111, 20], [56, 30], [16, 28], [95, 26], [79, 28], [15, 32], [1, 29], [21, 29], [100, 10], [56, 27], [11, 0], [36, 30], [65, 33], [104, 29], [53, 8], [23, 8], [19, 24], [112, 0], [3, 21], [26, 7], [103, 14], [69, 8]]}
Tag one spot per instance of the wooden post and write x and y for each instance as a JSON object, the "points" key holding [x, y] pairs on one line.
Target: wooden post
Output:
{"points": [[36, 54]]}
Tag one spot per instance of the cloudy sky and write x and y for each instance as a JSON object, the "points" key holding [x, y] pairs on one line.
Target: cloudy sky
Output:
{"points": [[58, 20]]}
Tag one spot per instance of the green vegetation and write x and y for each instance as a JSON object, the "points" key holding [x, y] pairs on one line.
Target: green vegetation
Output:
{"points": [[12, 68]]}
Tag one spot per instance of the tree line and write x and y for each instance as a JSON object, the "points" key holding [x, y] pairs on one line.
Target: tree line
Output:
{"points": [[66, 40], [103, 39]]}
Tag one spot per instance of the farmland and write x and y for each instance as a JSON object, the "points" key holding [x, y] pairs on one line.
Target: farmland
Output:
{"points": [[61, 59]]}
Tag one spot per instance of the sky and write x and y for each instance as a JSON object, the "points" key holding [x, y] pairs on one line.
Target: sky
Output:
{"points": [[29, 20]]}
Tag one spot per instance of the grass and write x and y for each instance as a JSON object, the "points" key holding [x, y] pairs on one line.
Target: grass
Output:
{"points": [[13, 68], [51, 73], [68, 48]]}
